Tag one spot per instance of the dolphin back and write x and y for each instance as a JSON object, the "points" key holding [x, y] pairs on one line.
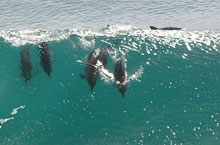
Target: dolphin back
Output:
{"points": [[165, 28], [119, 72], [153, 28], [91, 72], [26, 65], [120, 77], [170, 28], [103, 56], [46, 59]]}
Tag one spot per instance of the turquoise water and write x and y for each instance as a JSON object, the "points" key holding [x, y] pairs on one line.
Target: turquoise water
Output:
{"points": [[172, 96], [173, 76]]}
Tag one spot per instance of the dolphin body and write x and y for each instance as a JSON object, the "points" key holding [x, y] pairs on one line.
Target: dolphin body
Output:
{"points": [[26, 65], [91, 70], [120, 77], [165, 28], [103, 57], [46, 59]]}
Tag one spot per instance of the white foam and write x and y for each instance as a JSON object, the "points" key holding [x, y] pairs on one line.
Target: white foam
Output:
{"points": [[170, 38], [137, 75], [105, 74], [108, 76], [2, 121], [188, 47], [15, 110]]}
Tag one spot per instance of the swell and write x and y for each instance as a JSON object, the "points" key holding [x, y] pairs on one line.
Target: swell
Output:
{"points": [[144, 47], [124, 42], [171, 73]]}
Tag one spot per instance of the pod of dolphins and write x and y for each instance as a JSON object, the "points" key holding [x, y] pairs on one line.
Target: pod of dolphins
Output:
{"points": [[91, 69], [26, 64]]}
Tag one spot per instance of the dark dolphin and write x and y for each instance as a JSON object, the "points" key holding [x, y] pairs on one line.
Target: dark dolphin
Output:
{"points": [[165, 28], [26, 65], [120, 77], [91, 71], [46, 59], [103, 57]]}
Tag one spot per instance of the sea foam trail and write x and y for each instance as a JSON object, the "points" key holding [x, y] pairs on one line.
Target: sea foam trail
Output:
{"points": [[14, 111]]}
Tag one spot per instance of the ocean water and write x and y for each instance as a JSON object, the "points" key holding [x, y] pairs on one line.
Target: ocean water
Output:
{"points": [[96, 14], [173, 76]]}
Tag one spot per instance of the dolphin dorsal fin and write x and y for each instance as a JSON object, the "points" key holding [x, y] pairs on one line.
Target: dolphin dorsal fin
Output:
{"points": [[153, 28]]}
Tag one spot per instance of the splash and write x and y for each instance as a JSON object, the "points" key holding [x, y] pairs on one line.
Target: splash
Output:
{"points": [[14, 111]]}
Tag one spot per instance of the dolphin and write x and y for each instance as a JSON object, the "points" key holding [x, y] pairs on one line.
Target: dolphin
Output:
{"points": [[165, 28], [46, 59], [26, 65], [91, 71], [120, 77], [102, 57]]}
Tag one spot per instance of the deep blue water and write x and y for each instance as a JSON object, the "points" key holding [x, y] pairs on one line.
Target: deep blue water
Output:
{"points": [[173, 94]]}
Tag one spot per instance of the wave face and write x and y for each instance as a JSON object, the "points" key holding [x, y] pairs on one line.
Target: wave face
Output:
{"points": [[172, 95]]}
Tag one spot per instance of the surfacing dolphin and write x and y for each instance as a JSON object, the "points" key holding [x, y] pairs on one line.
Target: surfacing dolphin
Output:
{"points": [[165, 28], [46, 59], [26, 65], [103, 57], [91, 71], [120, 75]]}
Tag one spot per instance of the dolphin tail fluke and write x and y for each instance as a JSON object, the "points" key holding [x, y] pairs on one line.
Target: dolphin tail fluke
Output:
{"points": [[82, 76], [153, 28]]}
